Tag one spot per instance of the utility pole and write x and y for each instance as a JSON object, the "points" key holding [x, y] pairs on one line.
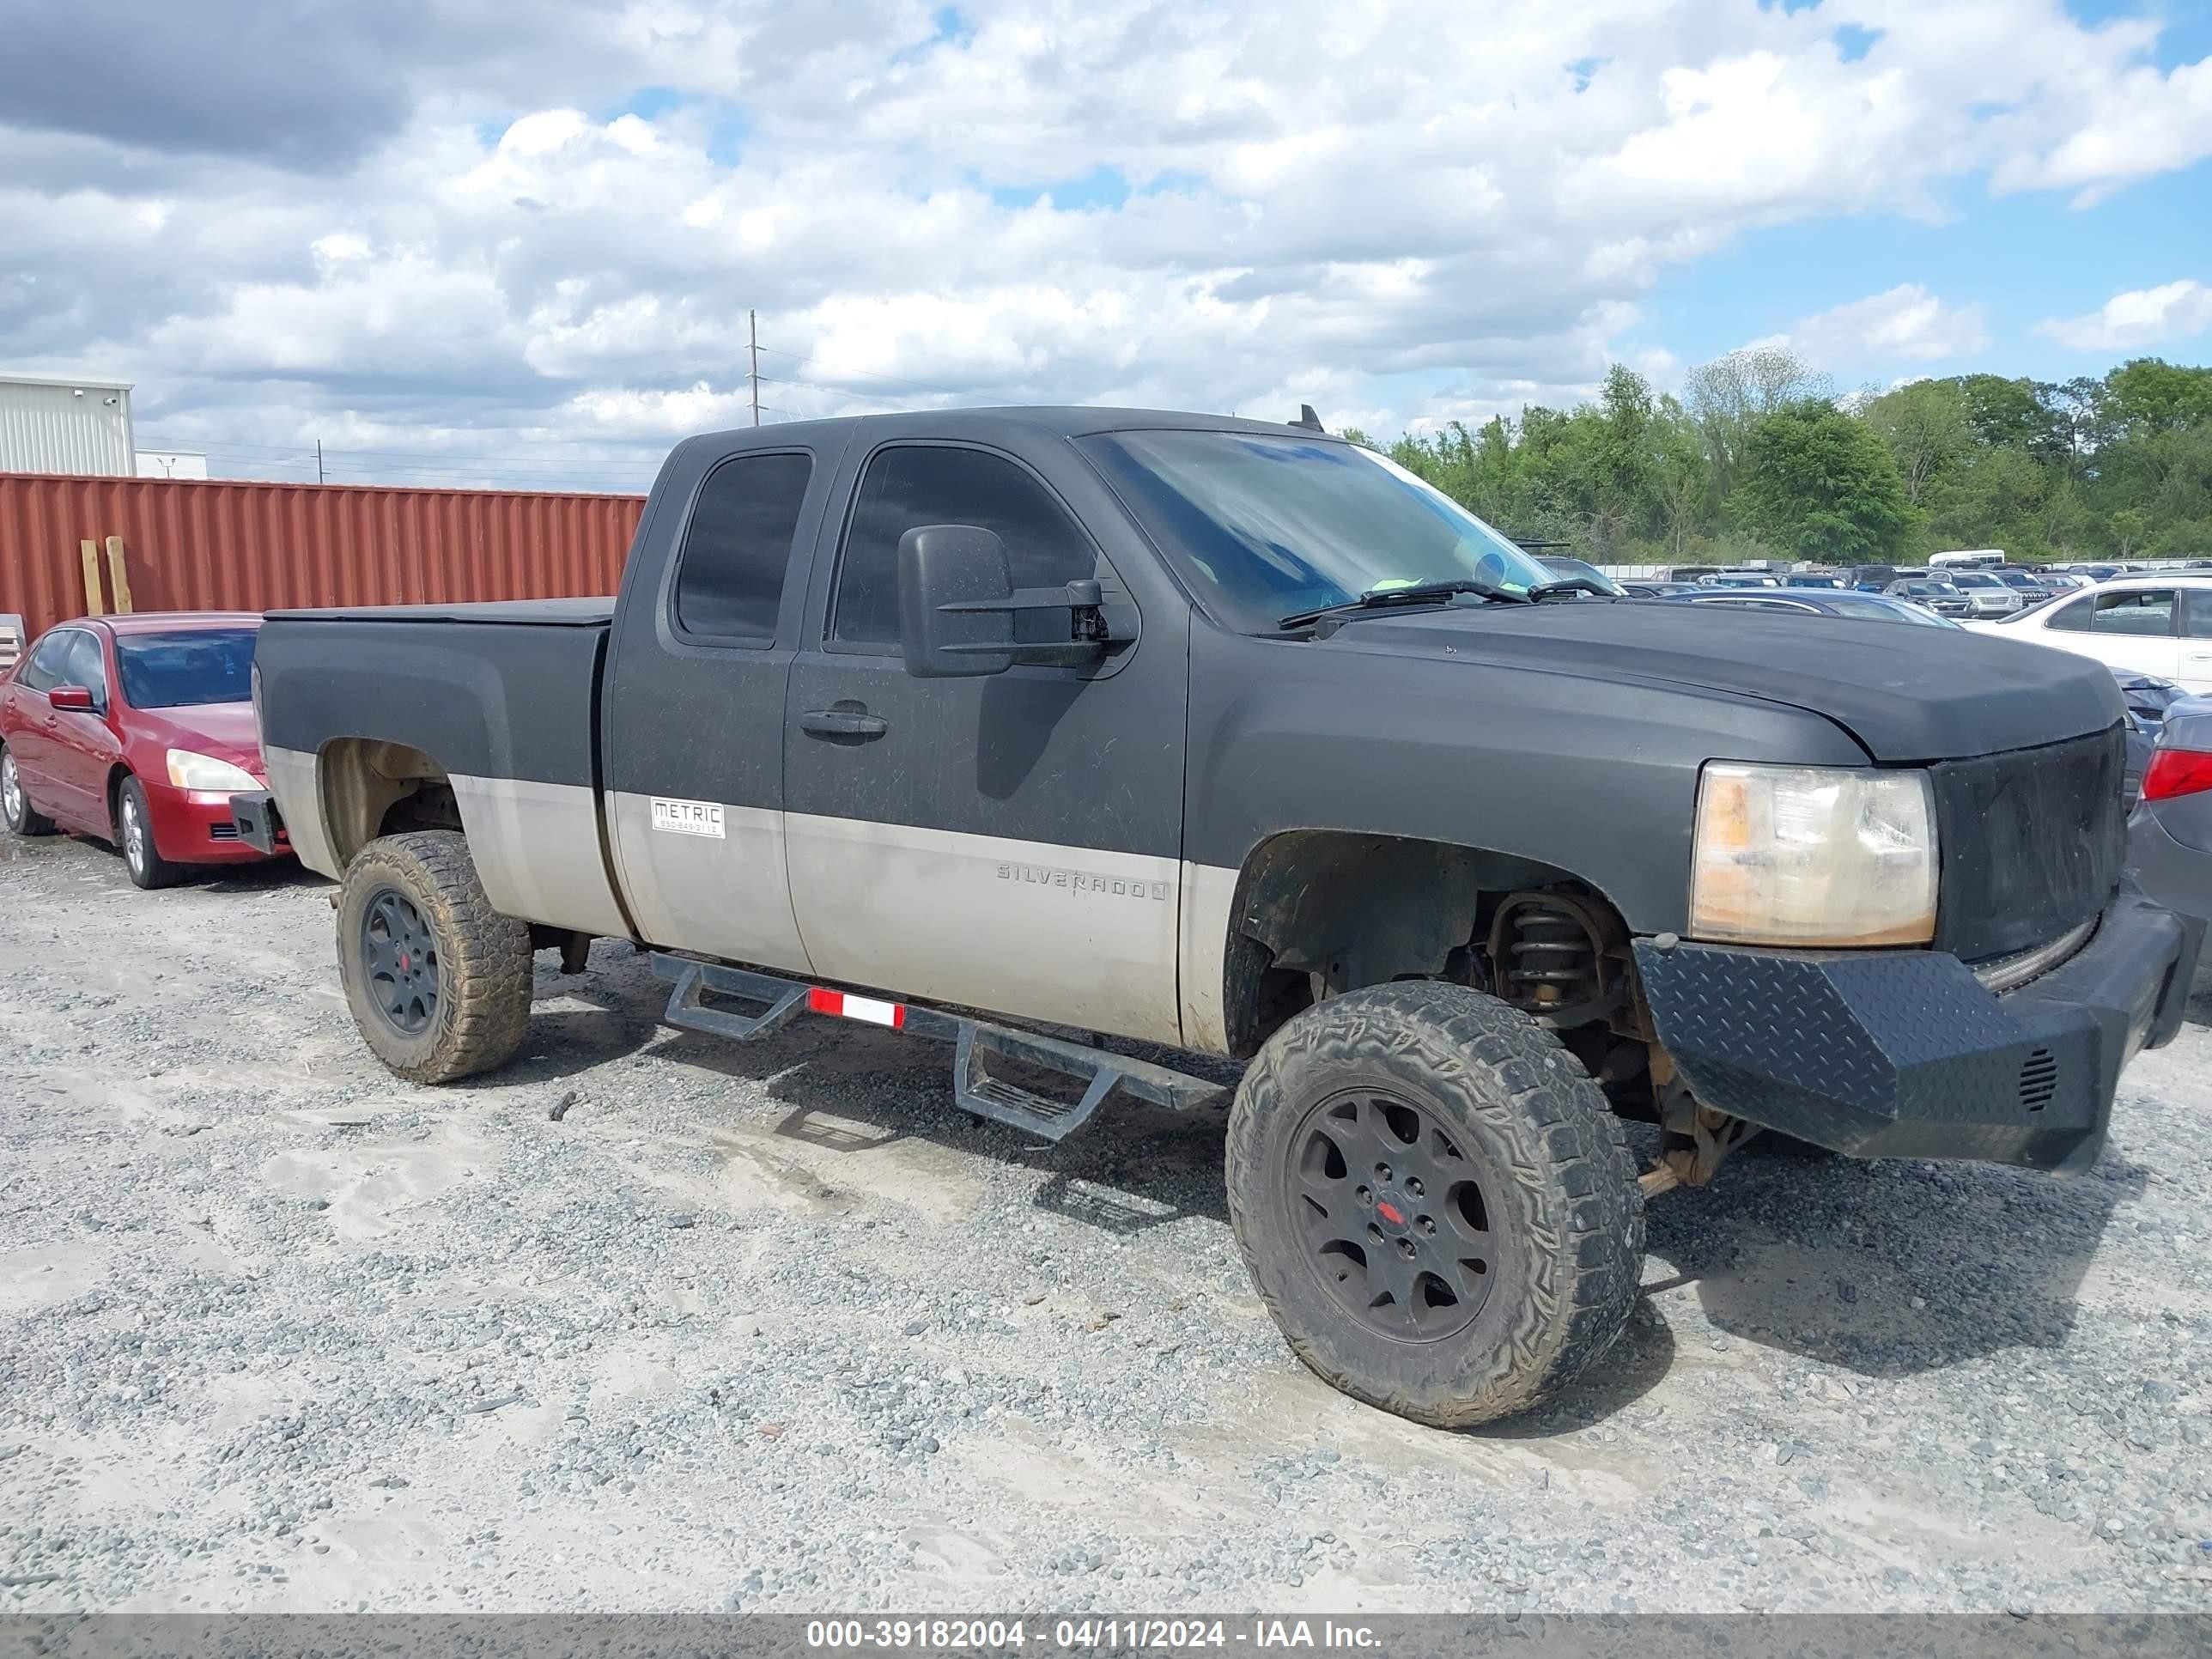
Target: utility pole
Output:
{"points": [[319, 461], [753, 343]]}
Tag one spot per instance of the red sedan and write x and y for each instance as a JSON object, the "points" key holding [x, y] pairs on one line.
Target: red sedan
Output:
{"points": [[138, 729]]}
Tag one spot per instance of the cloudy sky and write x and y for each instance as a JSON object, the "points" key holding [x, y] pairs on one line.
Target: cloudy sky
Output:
{"points": [[457, 245]]}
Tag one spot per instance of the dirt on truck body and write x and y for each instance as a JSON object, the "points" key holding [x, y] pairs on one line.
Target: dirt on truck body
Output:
{"points": [[1239, 739]]}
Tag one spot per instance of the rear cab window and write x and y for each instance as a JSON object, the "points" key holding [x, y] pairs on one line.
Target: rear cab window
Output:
{"points": [[737, 549]]}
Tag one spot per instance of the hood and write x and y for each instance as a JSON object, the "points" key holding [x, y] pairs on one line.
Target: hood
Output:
{"points": [[1906, 693], [223, 730]]}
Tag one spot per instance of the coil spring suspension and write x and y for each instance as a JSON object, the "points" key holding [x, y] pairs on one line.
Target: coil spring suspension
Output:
{"points": [[1546, 952]]}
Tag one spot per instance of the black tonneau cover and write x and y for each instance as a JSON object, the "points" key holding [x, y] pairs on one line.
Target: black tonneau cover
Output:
{"points": [[537, 613]]}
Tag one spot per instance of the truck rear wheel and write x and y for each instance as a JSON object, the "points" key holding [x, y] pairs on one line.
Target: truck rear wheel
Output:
{"points": [[1435, 1202], [438, 981]]}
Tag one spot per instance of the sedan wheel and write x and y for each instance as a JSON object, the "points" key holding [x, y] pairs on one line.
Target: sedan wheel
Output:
{"points": [[15, 806], [134, 827]]}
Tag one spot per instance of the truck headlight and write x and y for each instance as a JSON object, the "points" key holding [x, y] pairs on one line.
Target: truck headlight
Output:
{"points": [[1812, 855], [208, 774]]}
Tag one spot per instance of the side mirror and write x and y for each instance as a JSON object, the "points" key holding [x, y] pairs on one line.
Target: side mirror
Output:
{"points": [[957, 603], [71, 696]]}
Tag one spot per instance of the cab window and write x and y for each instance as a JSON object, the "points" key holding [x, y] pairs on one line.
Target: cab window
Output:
{"points": [[737, 549], [909, 485]]}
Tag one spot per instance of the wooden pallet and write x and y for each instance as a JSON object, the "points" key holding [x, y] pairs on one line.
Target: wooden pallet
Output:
{"points": [[11, 642]]}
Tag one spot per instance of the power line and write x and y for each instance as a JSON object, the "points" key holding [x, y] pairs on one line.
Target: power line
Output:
{"points": [[606, 466]]}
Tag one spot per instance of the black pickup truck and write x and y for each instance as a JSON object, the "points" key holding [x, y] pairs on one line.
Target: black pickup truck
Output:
{"points": [[1024, 729]]}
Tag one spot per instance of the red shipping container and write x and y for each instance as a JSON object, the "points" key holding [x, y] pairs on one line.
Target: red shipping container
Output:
{"points": [[217, 544]]}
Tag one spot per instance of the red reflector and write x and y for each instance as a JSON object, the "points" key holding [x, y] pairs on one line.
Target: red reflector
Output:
{"points": [[2176, 772], [820, 1001], [1390, 1213]]}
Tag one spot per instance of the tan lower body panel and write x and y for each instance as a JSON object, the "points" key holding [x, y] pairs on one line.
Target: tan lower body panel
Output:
{"points": [[535, 847], [1209, 899], [1037, 931], [294, 782], [726, 895]]}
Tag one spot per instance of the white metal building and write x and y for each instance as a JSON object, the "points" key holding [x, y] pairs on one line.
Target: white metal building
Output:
{"points": [[49, 425]]}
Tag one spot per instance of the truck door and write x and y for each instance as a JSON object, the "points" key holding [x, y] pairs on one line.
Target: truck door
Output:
{"points": [[693, 709], [1008, 843]]}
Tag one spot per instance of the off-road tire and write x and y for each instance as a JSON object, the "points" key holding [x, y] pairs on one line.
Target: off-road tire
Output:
{"points": [[1549, 1154], [134, 838], [483, 958], [21, 819]]}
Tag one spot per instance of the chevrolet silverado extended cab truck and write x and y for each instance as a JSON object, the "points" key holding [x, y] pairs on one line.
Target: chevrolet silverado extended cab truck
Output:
{"points": [[1238, 739]]}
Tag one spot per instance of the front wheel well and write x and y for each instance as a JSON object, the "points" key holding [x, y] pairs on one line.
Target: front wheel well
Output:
{"points": [[1320, 913], [113, 792]]}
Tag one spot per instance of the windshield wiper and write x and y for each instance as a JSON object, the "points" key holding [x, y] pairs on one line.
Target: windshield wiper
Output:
{"points": [[1382, 598]]}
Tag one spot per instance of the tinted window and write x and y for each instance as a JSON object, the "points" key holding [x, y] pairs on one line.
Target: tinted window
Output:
{"points": [[916, 484], [178, 670], [85, 667], [2150, 613], [42, 669], [729, 578], [2073, 618], [2197, 613]]}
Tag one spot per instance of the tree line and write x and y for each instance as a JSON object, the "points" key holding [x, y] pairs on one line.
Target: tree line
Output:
{"points": [[1758, 457]]}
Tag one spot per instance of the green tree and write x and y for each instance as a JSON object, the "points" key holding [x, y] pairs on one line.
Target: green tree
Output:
{"points": [[1727, 395], [2149, 394], [1820, 484], [1927, 430], [2119, 464]]}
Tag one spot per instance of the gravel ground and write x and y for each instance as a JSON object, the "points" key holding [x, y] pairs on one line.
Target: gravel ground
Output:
{"points": [[773, 1326]]}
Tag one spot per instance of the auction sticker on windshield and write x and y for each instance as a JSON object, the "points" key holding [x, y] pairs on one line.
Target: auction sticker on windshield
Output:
{"points": [[687, 818]]}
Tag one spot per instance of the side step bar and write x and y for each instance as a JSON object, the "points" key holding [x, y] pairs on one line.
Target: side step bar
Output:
{"points": [[973, 1087]]}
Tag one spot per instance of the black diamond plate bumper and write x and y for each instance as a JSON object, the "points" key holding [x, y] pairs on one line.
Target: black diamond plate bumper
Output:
{"points": [[1903, 1053]]}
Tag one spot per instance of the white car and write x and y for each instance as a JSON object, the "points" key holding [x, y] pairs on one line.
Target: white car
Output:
{"points": [[2157, 625]]}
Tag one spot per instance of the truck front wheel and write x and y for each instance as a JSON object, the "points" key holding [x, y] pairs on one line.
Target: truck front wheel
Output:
{"points": [[438, 981], [1435, 1201]]}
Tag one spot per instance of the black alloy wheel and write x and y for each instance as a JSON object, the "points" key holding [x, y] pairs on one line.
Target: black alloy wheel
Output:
{"points": [[1394, 1223], [399, 959]]}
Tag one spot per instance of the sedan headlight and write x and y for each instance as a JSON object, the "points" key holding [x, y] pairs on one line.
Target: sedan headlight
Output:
{"points": [[204, 772], [1812, 855]]}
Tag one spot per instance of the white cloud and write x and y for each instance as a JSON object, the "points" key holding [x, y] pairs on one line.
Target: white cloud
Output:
{"points": [[1419, 212], [2137, 319], [1906, 325]]}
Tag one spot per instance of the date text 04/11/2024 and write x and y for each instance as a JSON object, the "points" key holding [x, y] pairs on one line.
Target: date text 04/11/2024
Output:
{"points": [[1114, 1635]]}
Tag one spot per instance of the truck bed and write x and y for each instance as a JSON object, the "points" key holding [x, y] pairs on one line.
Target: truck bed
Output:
{"points": [[495, 691]]}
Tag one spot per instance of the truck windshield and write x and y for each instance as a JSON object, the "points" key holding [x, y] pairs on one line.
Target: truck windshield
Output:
{"points": [[172, 671], [1266, 526]]}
